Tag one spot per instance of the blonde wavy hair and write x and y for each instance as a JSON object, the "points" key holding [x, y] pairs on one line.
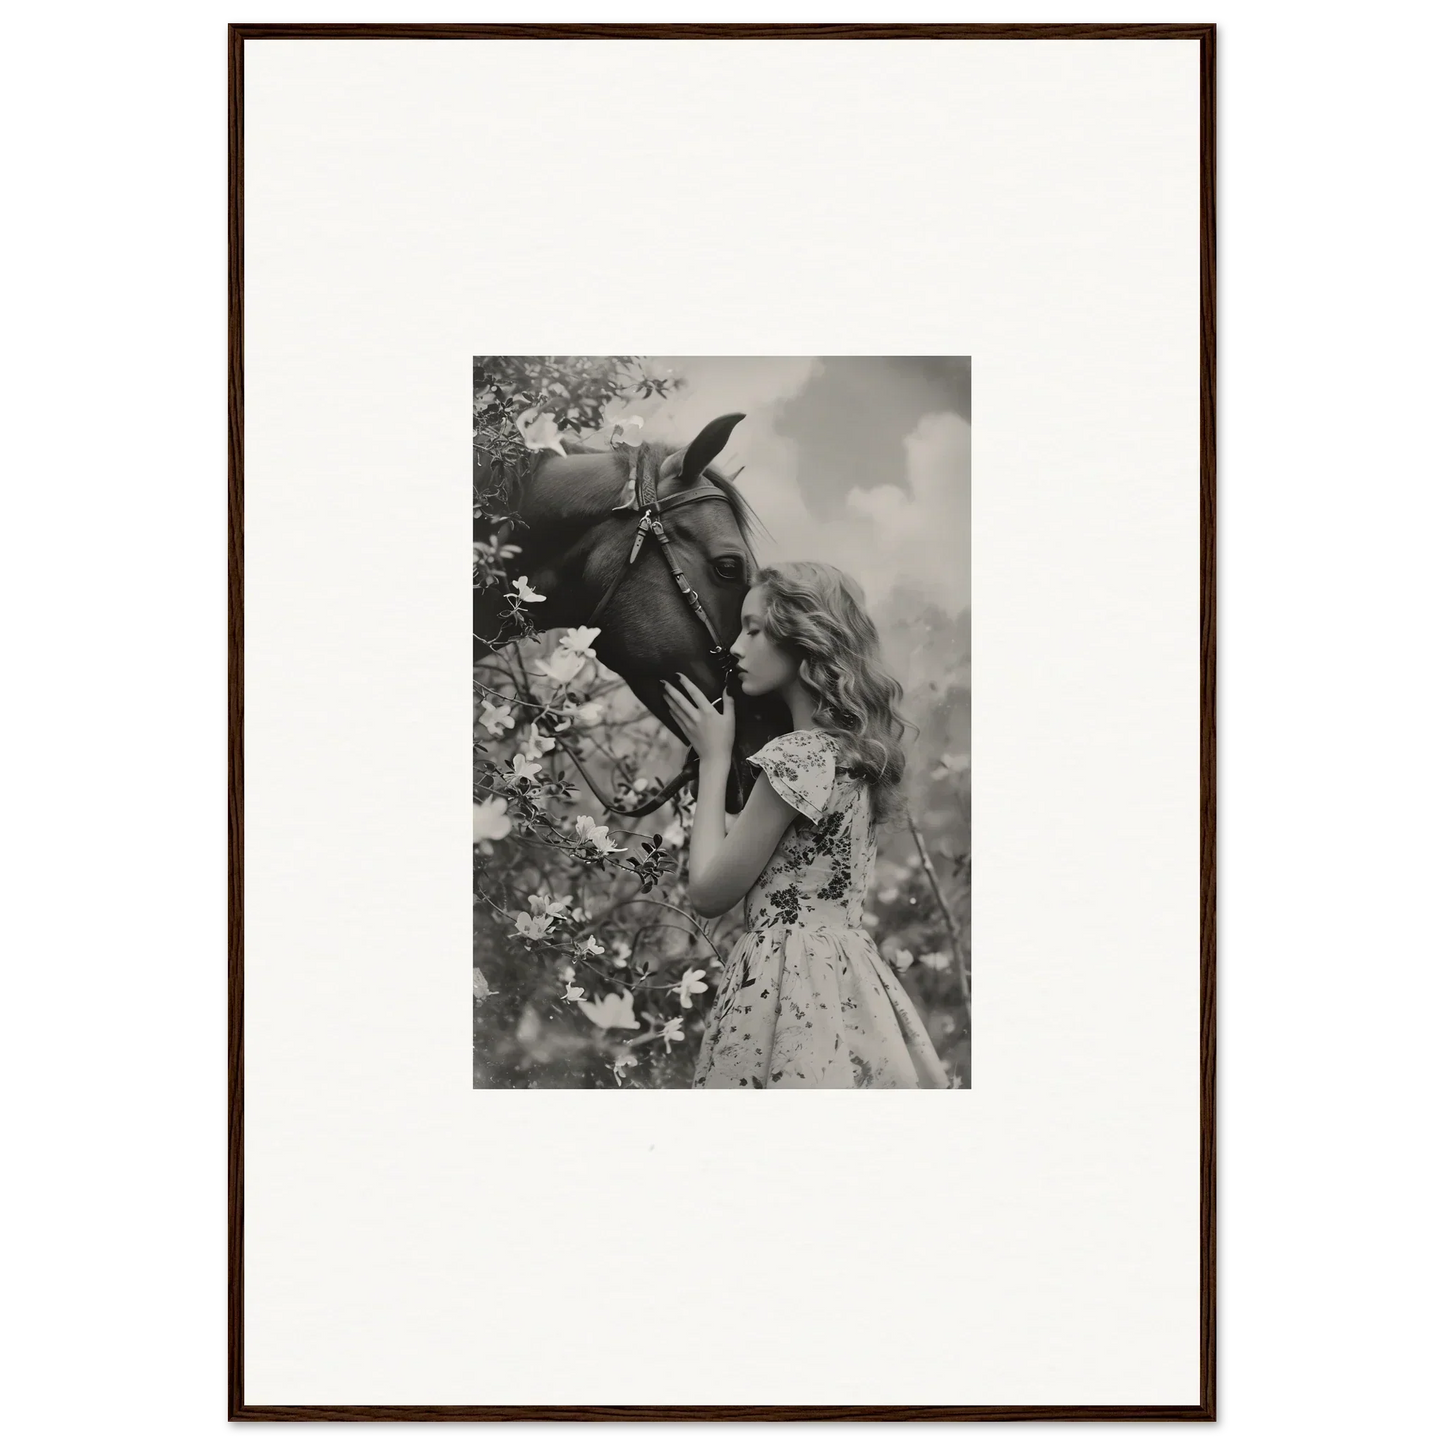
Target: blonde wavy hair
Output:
{"points": [[816, 613]]}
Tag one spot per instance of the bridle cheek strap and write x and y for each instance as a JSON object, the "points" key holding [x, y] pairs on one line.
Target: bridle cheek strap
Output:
{"points": [[650, 522], [641, 491]]}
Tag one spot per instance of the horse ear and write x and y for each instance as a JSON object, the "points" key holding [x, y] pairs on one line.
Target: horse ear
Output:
{"points": [[707, 444]]}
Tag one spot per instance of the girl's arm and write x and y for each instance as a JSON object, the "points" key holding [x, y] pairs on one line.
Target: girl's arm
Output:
{"points": [[722, 866], [724, 863]]}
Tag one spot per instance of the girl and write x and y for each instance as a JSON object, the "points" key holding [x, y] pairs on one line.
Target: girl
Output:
{"points": [[805, 1001]]}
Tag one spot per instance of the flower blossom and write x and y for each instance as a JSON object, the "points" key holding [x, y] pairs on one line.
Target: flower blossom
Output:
{"points": [[936, 961], [589, 948], [523, 771], [902, 958], [596, 835], [537, 744], [540, 431], [674, 834], [627, 431], [529, 926], [563, 665], [589, 714], [523, 591], [672, 1033], [490, 822], [573, 995], [579, 640], [495, 719], [480, 989], [544, 904], [612, 1012], [690, 983]]}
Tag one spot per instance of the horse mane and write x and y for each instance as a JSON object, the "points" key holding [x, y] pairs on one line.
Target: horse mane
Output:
{"points": [[749, 523]]}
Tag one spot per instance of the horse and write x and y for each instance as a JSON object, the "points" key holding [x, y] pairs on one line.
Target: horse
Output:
{"points": [[586, 545]]}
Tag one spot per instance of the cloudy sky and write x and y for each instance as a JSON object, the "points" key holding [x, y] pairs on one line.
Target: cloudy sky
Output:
{"points": [[858, 461]]}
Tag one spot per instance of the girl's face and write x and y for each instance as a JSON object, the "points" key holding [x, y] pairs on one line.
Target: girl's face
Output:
{"points": [[763, 666]]}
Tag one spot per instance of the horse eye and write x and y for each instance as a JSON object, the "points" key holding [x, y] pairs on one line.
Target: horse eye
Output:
{"points": [[730, 569]]}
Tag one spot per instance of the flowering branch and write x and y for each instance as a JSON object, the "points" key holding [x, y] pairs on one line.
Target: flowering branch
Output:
{"points": [[949, 922]]}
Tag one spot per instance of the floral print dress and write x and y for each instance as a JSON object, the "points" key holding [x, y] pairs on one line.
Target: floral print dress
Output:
{"points": [[805, 1000]]}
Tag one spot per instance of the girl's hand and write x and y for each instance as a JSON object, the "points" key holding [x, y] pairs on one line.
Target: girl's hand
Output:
{"points": [[709, 731]]}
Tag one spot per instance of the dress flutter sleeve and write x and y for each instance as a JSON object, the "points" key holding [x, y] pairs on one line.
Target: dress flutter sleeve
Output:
{"points": [[800, 767]]}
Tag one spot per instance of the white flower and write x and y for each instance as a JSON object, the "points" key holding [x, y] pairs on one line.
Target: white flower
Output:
{"points": [[522, 770], [506, 550], [902, 959], [544, 903], [621, 952], [612, 1012], [589, 714], [490, 821], [580, 640], [674, 834], [627, 430], [596, 835], [479, 985], [567, 973], [590, 948], [540, 431], [530, 927], [563, 665], [936, 961], [887, 895], [690, 983], [579, 915], [537, 744], [495, 719], [870, 920], [523, 591], [573, 994], [672, 1033]]}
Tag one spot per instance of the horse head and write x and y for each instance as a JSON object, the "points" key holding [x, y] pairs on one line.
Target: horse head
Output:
{"points": [[581, 528]]}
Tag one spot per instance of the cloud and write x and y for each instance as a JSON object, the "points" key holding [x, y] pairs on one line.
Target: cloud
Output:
{"points": [[883, 535], [716, 385], [922, 534]]}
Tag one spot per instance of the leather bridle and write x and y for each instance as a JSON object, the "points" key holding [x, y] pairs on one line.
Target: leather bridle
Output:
{"points": [[640, 493]]}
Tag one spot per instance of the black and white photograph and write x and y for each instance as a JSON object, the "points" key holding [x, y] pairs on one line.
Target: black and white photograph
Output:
{"points": [[721, 721]]}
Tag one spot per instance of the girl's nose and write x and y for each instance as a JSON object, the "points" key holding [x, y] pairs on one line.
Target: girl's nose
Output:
{"points": [[737, 648]]}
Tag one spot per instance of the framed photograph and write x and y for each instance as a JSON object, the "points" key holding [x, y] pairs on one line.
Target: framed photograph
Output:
{"points": [[830, 412]]}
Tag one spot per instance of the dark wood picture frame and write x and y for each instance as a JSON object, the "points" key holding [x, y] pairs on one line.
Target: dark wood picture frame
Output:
{"points": [[1205, 35]]}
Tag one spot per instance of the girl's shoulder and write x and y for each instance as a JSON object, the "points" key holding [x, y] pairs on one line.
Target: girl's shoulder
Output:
{"points": [[801, 765]]}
